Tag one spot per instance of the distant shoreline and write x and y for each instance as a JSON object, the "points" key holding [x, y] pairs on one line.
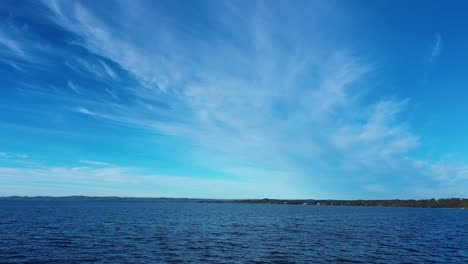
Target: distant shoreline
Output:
{"points": [[422, 203]]}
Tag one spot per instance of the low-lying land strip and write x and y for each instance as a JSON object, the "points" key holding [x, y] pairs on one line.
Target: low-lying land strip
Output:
{"points": [[426, 203]]}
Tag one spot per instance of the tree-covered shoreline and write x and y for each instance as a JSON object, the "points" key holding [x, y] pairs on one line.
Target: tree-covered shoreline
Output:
{"points": [[423, 203]]}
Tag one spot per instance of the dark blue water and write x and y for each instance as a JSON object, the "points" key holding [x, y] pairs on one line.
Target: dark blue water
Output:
{"points": [[92, 232]]}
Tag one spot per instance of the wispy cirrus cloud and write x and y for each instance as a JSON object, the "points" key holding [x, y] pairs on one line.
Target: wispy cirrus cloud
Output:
{"points": [[97, 180], [12, 52], [267, 109], [10, 44], [20, 46], [13, 155], [247, 93], [84, 111], [95, 163], [436, 49]]}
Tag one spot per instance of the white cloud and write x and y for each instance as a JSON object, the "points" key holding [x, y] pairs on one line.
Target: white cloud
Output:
{"points": [[123, 181], [85, 111], [376, 188], [11, 45], [74, 87], [152, 69], [260, 99], [18, 46], [13, 155], [95, 163], [436, 49], [108, 70], [380, 139]]}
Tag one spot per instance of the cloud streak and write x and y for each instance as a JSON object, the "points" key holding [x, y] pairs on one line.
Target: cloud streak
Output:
{"points": [[253, 97], [96, 179], [263, 111], [436, 49]]}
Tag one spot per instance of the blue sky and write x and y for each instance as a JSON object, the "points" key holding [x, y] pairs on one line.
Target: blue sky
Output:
{"points": [[234, 99]]}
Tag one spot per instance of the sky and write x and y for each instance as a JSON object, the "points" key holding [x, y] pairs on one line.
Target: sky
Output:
{"points": [[234, 99]]}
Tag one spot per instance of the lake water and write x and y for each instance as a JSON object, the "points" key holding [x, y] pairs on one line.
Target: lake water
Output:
{"points": [[134, 232]]}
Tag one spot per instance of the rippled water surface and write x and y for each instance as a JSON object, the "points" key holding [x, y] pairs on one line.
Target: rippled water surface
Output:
{"points": [[93, 232]]}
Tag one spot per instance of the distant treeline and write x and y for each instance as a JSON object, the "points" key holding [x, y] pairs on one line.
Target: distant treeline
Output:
{"points": [[80, 198], [427, 203]]}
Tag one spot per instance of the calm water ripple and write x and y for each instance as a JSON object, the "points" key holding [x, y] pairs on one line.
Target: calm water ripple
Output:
{"points": [[119, 232]]}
